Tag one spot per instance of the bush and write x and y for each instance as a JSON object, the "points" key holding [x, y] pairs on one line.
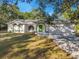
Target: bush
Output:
{"points": [[77, 29], [3, 26]]}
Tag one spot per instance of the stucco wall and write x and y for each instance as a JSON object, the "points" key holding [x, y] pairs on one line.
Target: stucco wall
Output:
{"points": [[16, 28], [19, 29]]}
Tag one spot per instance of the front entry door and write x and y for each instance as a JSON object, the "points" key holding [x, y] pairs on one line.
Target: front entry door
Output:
{"points": [[41, 28]]}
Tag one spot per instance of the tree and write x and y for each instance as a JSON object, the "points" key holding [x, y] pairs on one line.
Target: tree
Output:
{"points": [[61, 6], [8, 12], [38, 14]]}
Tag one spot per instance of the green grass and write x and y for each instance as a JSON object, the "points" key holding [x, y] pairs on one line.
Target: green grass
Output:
{"points": [[29, 46], [77, 29]]}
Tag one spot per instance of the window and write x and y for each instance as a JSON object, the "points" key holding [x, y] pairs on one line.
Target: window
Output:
{"points": [[31, 28]]}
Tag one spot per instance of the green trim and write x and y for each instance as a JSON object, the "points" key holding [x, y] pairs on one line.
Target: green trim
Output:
{"points": [[41, 28]]}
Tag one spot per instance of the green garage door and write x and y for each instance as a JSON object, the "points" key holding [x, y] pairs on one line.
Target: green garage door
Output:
{"points": [[41, 28]]}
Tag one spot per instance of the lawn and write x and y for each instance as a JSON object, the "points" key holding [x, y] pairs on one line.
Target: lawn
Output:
{"points": [[77, 29], [30, 46]]}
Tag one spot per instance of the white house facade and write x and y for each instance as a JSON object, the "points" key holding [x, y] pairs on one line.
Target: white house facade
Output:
{"points": [[57, 27], [24, 26]]}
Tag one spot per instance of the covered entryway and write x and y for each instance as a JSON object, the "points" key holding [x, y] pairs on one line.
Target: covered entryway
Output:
{"points": [[41, 28], [31, 28]]}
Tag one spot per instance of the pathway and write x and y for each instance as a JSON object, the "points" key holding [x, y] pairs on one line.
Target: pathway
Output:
{"points": [[67, 41], [65, 38]]}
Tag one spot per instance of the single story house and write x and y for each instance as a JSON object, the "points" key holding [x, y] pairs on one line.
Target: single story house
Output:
{"points": [[23, 26], [40, 26]]}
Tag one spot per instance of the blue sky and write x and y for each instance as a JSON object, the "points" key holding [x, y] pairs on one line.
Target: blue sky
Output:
{"points": [[49, 9], [74, 7], [26, 7]]}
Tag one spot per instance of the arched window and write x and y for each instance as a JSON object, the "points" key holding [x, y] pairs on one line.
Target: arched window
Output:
{"points": [[31, 28]]}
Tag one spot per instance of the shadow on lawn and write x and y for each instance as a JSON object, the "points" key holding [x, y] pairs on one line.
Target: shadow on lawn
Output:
{"points": [[17, 48], [7, 35], [7, 43]]}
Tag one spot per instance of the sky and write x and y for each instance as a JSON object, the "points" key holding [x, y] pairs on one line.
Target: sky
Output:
{"points": [[26, 7], [49, 9], [74, 7]]}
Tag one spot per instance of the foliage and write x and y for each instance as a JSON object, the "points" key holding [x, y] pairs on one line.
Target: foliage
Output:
{"points": [[8, 12], [77, 28], [61, 6]]}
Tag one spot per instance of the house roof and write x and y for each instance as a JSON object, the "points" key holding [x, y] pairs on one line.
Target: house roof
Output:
{"points": [[29, 21], [22, 21]]}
